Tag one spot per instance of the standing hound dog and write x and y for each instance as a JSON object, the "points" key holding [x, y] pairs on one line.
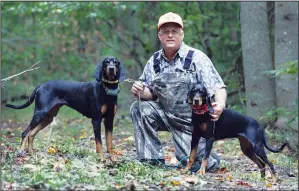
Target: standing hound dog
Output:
{"points": [[231, 124], [95, 100]]}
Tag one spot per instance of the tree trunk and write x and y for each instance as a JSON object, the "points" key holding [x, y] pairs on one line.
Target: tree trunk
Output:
{"points": [[286, 49], [257, 58]]}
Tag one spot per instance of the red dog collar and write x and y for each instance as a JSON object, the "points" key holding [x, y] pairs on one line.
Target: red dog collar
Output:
{"points": [[199, 110]]}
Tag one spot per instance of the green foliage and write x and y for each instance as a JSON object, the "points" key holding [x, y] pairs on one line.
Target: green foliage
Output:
{"points": [[72, 37], [75, 165], [288, 68], [271, 115]]}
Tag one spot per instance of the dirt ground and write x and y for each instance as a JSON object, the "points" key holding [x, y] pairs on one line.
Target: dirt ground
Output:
{"points": [[237, 172]]}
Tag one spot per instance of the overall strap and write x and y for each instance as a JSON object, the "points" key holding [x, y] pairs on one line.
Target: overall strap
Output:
{"points": [[156, 62], [188, 60]]}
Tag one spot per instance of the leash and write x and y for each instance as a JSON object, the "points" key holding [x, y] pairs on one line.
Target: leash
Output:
{"points": [[214, 128], [129, 80], [163, 164]]}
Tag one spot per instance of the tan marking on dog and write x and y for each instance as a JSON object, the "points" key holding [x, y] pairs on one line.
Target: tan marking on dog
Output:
{"points": [[203, 126], [115, 109], [203, 167], [99, 150], [199, 102], [103, 109], [191, 159], [25, 143], [31, 137]]}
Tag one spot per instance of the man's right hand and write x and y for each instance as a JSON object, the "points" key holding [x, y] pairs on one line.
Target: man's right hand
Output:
{"points": [[139, 87]]}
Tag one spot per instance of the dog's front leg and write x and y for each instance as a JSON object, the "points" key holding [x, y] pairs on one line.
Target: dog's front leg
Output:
{"points": [[194, 146], [208, 149], [108, 133], [97, 133]]}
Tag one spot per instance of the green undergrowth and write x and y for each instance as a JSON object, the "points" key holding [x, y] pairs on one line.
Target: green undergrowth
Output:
{"points": [[74, 164]]}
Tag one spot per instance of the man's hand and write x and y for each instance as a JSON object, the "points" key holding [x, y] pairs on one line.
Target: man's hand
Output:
{"points": [[139, 88], [218, 109]]}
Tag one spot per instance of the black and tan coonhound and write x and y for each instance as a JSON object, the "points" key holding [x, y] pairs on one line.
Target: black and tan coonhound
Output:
{"points": [[96, 100], [231, 124]]}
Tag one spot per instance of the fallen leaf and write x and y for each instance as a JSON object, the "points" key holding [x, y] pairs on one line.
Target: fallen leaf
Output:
{"points": [[273, 161], [175, 183], [117, 152], [83, 135], [52, 150], [162, 183], [268, 185], [243, 184], [222, 170], [229, 177]]}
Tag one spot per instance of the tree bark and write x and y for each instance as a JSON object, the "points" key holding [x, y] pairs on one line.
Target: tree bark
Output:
{"points": [[286, 49], [257, 58]]}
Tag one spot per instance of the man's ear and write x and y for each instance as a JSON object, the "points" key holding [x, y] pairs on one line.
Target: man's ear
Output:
{"points": [[98, 72], [159, 35]]}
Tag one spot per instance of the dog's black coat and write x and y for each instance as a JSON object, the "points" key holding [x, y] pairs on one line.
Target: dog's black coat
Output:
{"points": [[87, 98], [230, 124]]}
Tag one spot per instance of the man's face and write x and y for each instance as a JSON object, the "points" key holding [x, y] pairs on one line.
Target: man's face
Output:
{"points": [[171, 36]]}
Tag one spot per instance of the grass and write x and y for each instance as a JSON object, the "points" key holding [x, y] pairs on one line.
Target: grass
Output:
{"points": [[75, 164]]}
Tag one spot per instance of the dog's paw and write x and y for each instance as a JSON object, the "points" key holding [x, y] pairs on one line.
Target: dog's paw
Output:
{"points": [[113, 158], [201, 171]]}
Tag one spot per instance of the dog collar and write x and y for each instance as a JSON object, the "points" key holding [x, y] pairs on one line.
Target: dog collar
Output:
{"points": [[109, 81], [200, 110], [112, 92]]}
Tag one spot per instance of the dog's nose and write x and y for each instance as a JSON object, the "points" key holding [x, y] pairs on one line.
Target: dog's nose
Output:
{"points": [[196, 101], [110, 68]]}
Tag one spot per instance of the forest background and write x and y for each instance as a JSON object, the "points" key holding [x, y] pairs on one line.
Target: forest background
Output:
{"points": [[253, 46]]}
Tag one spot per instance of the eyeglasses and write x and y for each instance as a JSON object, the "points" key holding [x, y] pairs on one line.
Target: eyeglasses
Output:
{"points": [[173, 32]]}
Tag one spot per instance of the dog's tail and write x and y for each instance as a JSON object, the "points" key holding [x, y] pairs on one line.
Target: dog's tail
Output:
{"points": [[29, 102], [271, 148]]}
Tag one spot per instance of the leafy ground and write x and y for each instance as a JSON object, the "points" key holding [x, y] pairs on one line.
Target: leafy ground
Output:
{"points": [[65, 159]]}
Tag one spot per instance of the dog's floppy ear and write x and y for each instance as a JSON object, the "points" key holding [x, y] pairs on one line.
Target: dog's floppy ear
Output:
{"points": [[188, 100], [121, 71], [98, 72]]}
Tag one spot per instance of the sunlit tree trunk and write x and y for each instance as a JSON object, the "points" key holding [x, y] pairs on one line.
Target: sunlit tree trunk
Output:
{"points": [[257, 58], [286, 49]]}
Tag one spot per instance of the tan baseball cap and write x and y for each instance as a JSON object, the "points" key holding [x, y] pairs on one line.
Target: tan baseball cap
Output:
{"points": [[170, 18]]}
